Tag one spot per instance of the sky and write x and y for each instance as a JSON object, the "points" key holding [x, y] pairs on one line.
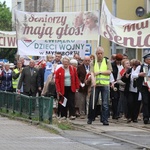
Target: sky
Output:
{"points": [[8, 2]]}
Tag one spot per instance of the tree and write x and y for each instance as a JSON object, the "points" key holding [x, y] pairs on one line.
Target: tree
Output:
{"points": [[5, 17], [6, 25]]}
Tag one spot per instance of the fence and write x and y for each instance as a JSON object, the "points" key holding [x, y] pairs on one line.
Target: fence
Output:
{"points": [[35, 108]]}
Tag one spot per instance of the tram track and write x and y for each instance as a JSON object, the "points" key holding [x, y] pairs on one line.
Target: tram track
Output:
{"points": [[93, 129]]}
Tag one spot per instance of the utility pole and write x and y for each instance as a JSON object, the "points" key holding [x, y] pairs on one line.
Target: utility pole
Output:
{"points": [[86, 5], [62, 5], [114, 12], [40, 5], [35, 5]]}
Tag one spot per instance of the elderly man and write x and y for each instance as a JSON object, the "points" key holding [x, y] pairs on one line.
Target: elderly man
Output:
{"points": [[82, 71], [29, 79], [100, 74], [143, 87]]}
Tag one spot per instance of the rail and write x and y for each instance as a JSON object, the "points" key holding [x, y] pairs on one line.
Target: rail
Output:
{"points": [[35, 108]]}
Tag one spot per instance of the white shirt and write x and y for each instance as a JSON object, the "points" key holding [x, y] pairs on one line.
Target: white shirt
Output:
{"points": [[131, 88], [120, 67], [111, 78], [137, 71]]}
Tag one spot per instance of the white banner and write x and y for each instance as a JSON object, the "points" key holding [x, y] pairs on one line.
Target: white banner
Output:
{"points": [[127, 33], [8, 39], [43, 48], [57, 25]]}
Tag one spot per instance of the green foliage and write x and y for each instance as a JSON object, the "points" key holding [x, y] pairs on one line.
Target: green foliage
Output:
{"points": [[5, 18], [8, 53], [148, 15], [6, 25]]}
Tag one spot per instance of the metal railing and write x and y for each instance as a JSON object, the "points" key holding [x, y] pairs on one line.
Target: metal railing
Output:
{"points": [[35, 108]]}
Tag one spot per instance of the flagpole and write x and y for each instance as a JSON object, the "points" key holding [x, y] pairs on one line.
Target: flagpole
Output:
{"points": [[114, 12], [98, 44], [99, 37]]}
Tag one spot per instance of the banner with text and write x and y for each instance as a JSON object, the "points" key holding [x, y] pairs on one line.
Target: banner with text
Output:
{"points": [[45, 47], [8, 39], [57, 25], [127, 33]]}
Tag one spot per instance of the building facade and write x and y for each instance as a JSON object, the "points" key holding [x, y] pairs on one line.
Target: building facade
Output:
{"points": [[125, 9], [31, 6]]}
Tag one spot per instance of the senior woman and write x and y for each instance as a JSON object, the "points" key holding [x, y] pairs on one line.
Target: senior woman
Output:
{"points": [[6, 78], [91, 22], [67, 83]]}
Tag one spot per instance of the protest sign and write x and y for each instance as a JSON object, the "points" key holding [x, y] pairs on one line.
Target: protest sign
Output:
{"points": [[43, 48], [57, 25], [8, 39], [127, 33]]}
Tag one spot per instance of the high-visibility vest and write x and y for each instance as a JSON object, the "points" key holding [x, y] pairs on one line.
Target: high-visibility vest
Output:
{"points": [[101, 79], [15, 81]]}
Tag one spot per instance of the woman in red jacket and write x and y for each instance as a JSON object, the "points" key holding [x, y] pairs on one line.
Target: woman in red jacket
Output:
{"points": [[67, 83]]}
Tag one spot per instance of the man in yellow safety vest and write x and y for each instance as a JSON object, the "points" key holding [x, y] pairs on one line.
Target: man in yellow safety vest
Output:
{"points": [[100, 75]]}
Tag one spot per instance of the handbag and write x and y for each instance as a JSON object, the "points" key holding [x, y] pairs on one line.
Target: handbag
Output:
{"points": [[51, 88]]}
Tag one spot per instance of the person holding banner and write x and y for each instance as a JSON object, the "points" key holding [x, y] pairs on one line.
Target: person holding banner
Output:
{"points": [[67, 83], [100, 74]]}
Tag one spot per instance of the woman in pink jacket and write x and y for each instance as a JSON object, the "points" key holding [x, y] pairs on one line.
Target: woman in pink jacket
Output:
{"points": [[67, 83]]}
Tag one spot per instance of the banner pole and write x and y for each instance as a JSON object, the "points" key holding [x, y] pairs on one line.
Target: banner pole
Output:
{"points": [[114, 10]]}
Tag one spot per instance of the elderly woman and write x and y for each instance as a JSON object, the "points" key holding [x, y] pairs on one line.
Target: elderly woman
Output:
{"points": [[131, 92], [6, 78], [67, 83], [74, 62], [91, 22]]}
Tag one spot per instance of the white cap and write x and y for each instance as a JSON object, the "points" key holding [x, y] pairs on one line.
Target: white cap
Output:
{"points": [[11, 65]]}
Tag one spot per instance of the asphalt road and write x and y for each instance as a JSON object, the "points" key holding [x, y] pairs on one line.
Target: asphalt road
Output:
{"points": [[17, 135]]}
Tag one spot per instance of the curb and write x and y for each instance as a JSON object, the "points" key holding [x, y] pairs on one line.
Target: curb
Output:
{"points": [[35, 123]]}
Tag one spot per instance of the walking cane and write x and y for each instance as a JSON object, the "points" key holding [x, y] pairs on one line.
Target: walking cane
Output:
{"points": [[93, 98]]}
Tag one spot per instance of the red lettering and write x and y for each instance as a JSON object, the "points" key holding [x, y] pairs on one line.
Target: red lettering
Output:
{"points": [[108, 33], [2, 41], [138, 42], [136, 26], [11, 41]]}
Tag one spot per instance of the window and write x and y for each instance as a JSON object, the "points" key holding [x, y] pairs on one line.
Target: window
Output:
{"points": [[131, 52], [19, 5]]}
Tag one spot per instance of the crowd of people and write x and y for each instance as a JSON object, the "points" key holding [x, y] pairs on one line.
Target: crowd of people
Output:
{"points": [[86, 88]]}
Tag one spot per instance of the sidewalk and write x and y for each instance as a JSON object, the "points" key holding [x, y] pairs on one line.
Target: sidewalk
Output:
{"points": [[112, 123], [17, 135]]}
